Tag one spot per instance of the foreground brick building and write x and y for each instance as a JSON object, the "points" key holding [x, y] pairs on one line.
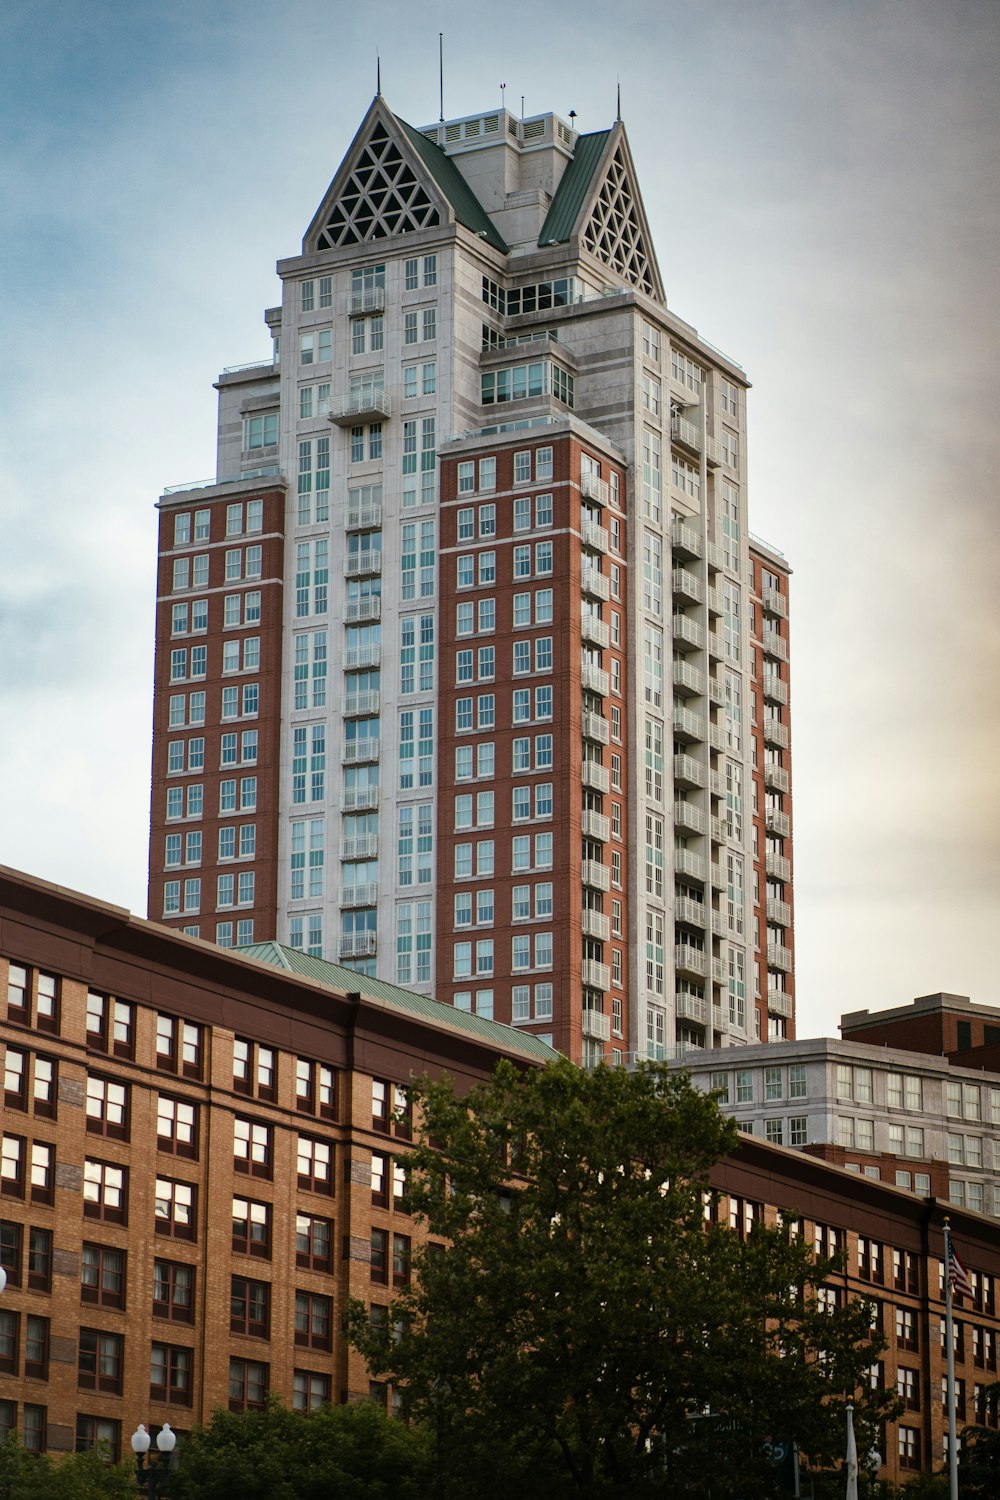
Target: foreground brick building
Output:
{"points": [[203, 1158]]}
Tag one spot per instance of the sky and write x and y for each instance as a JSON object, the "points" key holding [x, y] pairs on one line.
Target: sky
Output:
{"points": [[821, 181]]}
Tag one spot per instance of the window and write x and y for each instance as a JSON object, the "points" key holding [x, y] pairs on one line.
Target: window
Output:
{"points": [[177, 1126], [315, 1165], [99, 1434], [105, 1191], [401, 1260], [170, 1374], [252, 1228], [313, 1242], [310, 1390], [250, 1307], [173, 1291], [313, 1320], [906, 1329], [99, 1366], [102, 1275], [174, 1208], [253, 1147], [248, 1384]]}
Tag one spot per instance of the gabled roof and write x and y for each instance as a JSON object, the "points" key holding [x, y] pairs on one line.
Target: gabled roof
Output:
{"points": [[598, 202], [467, 207], [321, 971], [393, 180], [575, 187]]}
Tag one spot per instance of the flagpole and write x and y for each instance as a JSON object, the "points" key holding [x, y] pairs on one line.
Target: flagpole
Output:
{"points": [[950, 1347], [851, 1492]]}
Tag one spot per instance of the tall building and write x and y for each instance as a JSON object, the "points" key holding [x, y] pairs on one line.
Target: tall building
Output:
{"points": [[455, 675], [204, 1154]]}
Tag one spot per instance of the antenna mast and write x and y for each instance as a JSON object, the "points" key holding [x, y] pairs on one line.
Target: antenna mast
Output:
{"points": [[440, 75]]}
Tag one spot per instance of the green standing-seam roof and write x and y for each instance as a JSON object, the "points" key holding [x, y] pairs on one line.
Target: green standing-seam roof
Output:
{"points": [[571, 194], [320, 970], [468, 209]]}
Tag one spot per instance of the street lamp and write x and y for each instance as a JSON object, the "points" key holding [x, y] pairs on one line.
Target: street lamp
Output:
{"points": [[153, 1476], [3, 1278]]}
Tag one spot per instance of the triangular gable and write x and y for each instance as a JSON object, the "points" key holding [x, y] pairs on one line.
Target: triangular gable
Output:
{"points": [[387, 185], [379, 190], [607, 214]]}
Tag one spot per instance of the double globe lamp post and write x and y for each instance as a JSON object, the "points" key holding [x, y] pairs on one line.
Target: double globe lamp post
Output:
{"points": [[153, 1475]]}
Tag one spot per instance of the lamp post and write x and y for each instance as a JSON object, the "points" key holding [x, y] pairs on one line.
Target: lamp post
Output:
{"points": [[153, 1476], [3, 1278]]}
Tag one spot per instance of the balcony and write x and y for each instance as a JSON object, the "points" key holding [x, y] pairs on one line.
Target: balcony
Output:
{"points": [[595, 727], [359, 610], [779, 1003], [594, 924], [353, 896], [595, 875], [365, 518], [691, 865], [775, 691], [713, 556], [718, 875], [363, 303], [594, 680], [359, 799], [363, 847], [688, 818], [596, 777], [774, 645], [716, 645], [688, 772], [777, 822], [690, 961], [597, 1025], [777, 866], [594, 488], [716, 784], [684, 539], [359, 945], [691, 1007], [688, 681], [688, 726], [687, 632], [716, 691], [779, 957], [594, 584], [690, 911], [686, 586], [361, 705], [364, 564], [594, 825], [595, 975], [775, 733], [685, 433], [776, 778], [779, 912], [593, 536], [717, 831], [356, 657], [715, 606], [366, 406], [774, 604], [360, 752], [717, 736], [596, 632]]}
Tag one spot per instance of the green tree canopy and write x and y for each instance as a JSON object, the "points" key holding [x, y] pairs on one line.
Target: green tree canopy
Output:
{"points": [[78, 1476], [588, 1331], [336, 1453]]}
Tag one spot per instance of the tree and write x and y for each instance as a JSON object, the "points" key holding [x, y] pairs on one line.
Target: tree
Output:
{"points": [[78, 1476], [587, 1331], [350, 1452]]}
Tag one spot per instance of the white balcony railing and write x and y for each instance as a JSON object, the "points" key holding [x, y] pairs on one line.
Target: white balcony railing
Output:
{"points": [[359, 799], [688, 680], [594, 488], [364, 564], [688, 632], [360, 752], [691, 865], [359, 945], [595, 727], [685, 540], [777, 866], [690, 911], [596, 1025], [365, 846], [596, 777], [361, 705], [595, 875], [594, 924], [364, 406], [594, 537], [362, 656], [594, 680], [594, 825], [688, 960], [686, 586], [353, 896], [359, 610], [688, 771], [595, 975], [594, 631], [595, 584], [365, 518], [370, 301]]}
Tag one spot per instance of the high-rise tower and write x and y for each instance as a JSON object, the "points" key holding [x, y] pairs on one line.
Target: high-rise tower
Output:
{"points": [[455, 680]]}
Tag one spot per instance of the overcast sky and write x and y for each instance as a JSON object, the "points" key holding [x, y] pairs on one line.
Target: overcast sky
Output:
{"points": [[821, 180]]}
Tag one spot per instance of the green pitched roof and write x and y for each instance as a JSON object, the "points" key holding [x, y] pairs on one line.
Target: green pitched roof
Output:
{"points": [[564, 210], [295, 961], [468, 209]]}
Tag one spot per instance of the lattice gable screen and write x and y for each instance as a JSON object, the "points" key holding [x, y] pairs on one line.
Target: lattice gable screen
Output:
{"points": [[381, 197], [614, 234]]}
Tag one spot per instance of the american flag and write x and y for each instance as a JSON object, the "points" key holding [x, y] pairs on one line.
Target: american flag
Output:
{"points": [[958, 1277]]}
